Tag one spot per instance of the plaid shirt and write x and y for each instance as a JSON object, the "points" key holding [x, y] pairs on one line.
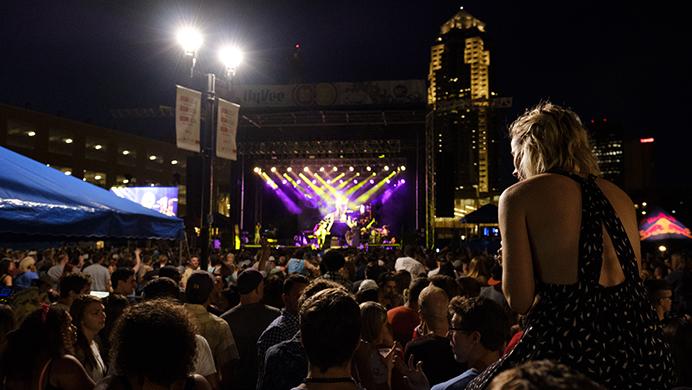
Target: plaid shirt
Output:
{"points": [[286, 365], [283, 328], [217, 333]]}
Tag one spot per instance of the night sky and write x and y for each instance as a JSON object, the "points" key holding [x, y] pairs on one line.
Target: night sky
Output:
{"points": [[628, 63]]}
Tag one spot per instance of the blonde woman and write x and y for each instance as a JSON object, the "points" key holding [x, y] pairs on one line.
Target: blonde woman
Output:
{"points": [[570, 261]]}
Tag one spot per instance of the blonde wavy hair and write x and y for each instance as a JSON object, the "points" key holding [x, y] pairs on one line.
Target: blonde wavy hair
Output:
{"points": [[549, 136]]}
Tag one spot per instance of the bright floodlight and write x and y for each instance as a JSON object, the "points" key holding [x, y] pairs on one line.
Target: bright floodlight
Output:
{"points": [[289, 169], [386, 167], [257, 170], [306, 169], [190, 39], [230, 57], [273, 169]]}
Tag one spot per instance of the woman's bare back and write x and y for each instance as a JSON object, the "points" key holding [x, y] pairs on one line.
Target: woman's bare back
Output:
{"points": [[553, 220]]}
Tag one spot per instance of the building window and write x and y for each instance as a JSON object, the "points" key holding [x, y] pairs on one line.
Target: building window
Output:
{"points": [[96, 149], [155, 162], [21, 135], [97, 178], [65, 170], [127, 155], [61, 142], [124, 180]]}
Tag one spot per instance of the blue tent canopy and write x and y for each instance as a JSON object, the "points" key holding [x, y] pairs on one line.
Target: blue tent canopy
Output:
{"points": [[38, 202]]}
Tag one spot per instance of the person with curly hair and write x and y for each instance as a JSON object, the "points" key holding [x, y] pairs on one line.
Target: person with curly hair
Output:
{"points": [[543, 375], [153, 346]]}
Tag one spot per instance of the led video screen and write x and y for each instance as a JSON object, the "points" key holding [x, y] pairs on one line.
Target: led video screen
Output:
{"points": [[161, 199]]}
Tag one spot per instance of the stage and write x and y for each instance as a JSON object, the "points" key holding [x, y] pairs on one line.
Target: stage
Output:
{"points": [[331, 203]]}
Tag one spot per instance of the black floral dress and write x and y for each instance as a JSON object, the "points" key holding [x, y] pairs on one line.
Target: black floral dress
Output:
{"points": [[610, 334]]}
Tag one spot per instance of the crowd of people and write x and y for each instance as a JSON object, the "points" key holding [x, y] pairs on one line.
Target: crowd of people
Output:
{"points": [[421, 319], [569, 302]]}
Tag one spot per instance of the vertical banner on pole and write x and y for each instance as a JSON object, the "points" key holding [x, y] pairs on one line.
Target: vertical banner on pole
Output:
{"points": [[187, 118], [227, 127]]}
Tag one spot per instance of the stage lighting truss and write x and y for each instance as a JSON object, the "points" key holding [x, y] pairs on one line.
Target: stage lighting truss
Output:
{"points": [[333, 118], [341, 149], [378, 166]]}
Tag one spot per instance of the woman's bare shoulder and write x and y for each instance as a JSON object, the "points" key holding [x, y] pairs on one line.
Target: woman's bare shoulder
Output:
{"points": [[610, 189], [534, 185], [67, 362]]}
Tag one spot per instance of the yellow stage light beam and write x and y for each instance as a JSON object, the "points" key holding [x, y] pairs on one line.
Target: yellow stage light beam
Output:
{"points": [[315, 188], [346, 181], [355, 188], [372, 191], [331, 189], [268, 179], [277, 174], [296, 185]]}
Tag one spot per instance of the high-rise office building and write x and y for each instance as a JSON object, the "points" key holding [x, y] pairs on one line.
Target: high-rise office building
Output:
{"points": [[608, 145], [462, 128]]}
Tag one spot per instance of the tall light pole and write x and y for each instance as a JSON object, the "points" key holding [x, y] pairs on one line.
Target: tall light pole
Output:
{"points": [[190, 39]]}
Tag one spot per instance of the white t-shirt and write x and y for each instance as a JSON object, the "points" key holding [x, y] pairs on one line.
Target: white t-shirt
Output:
{"points": [[413, 266], [204, 360]]}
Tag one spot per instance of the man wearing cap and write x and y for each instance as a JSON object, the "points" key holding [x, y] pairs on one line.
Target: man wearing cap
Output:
{"points": [[247, 321], [216, 331]]}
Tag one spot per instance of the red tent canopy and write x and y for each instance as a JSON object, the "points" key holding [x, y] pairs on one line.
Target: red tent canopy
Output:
{"points": [[662, 226]]}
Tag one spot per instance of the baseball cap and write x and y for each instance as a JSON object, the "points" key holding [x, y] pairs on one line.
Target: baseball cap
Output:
{"points": [[199, 286], [367, 284]]}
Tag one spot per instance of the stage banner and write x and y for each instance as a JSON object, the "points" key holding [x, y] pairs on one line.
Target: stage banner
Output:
{"points": [[226, 129], [390, 92], [187, 118]]}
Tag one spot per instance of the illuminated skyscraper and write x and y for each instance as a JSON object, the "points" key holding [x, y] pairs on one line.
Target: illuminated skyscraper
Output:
{"points": [[608, 145], [461, 129]]}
